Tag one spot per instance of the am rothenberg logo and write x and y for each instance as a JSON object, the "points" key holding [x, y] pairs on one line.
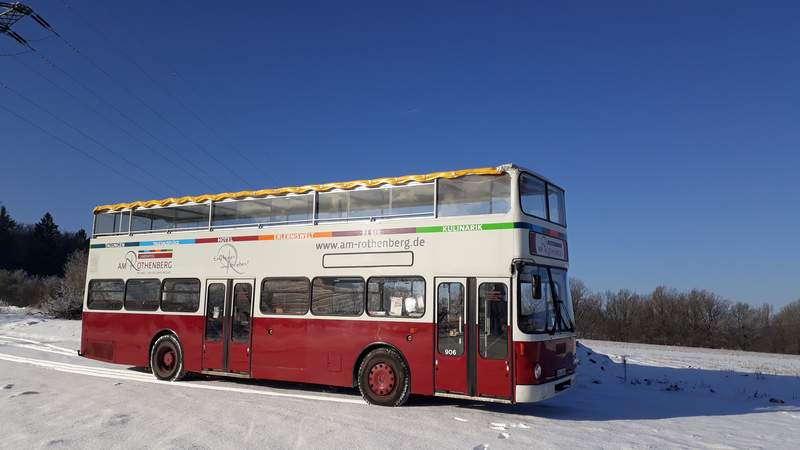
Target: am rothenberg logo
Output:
{"points": [[147, 261], [228, 259]]}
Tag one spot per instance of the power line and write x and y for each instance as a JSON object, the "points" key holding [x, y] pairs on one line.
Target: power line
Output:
{"points": [[154, 111], [105, 39], [77, 149], [126, 132], [189, 161], [89, 137]]}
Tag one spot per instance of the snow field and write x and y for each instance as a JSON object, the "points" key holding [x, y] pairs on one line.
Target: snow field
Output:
{"points": [[661, 397]]}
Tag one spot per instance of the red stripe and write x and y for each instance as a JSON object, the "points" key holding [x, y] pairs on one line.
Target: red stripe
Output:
{"points": [[244, 238], [155, 255]]}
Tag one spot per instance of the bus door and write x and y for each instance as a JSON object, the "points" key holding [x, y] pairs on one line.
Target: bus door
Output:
{"points": [[473, 337], [452, 336], [229, 311], [493, 363]]}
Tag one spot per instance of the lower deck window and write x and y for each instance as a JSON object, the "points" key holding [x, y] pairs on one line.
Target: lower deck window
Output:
{"points": [[180, 295], [337, 296], [142, 295], [105, 294], [396, 297], [285, 296]]}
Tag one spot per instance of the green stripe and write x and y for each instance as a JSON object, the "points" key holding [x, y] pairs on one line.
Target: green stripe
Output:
{"points": [[429, 229], [498, 226]]}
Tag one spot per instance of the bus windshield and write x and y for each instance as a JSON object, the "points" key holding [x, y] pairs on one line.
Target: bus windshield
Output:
{"points": [[545, 305]]}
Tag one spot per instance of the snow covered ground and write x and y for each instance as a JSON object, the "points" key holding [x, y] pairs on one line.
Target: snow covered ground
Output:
{"points": [[672, 398]]}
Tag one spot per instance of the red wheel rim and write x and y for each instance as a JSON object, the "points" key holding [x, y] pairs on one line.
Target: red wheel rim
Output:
{"points": [[168, 359], [381, 379]]}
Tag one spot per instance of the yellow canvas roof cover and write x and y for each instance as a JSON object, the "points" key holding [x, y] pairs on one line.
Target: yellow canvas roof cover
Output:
{"points": [[392, 181]]}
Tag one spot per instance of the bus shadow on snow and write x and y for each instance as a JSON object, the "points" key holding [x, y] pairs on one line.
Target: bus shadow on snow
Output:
{"points": [[604, 393]]}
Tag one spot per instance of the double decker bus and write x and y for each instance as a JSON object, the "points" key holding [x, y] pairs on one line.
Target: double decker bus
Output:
{"points": [[448, 284]]}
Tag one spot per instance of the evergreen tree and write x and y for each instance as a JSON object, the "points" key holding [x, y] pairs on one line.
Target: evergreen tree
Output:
{"points": [[47, 247], [6, 222], [7, 227]]}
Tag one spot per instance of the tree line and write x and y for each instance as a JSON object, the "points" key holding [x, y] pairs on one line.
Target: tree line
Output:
{"points": [[695, 318], [42, 266], [40, 249]]}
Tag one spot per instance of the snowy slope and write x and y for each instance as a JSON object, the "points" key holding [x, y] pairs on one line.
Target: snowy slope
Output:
{"points": [[673, 398]]}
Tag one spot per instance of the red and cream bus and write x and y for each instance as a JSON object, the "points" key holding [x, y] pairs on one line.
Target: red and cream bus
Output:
{"points": [[450, 284]]}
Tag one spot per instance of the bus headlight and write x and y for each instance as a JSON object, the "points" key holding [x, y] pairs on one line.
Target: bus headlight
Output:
{"points": [[537, 371]]}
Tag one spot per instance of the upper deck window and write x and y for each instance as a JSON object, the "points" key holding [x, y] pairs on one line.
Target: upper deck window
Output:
{"points": [[413, 200], [265, 211], [111, 223], [541, 199], [474, 194], [555, 203], [171, 218]]}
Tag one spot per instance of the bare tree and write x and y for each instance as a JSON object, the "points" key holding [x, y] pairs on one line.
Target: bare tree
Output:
{"points": [[67, 302]]}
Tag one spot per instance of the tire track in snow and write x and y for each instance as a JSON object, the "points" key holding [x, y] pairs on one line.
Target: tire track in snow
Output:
{"points": [[127, 375], [36, 345]]}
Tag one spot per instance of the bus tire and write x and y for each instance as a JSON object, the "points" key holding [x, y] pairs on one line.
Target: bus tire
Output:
{"points": [[383, 378], [166, 358]]}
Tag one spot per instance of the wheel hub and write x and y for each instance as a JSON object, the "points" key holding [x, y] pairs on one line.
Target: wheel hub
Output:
{"points": [[168, 359], [381, 379]]}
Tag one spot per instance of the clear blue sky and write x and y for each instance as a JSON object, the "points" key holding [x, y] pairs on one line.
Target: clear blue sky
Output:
{"points": [[673, 126]]}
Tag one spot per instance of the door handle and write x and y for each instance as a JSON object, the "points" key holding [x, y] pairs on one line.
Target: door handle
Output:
{"points": [[269, 331]]}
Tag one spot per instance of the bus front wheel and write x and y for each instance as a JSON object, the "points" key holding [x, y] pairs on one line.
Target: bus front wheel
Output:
{"points": [[383, 378], [166, 358]]}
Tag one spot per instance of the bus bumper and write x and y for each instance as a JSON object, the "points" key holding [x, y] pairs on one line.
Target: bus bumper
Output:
{"points": [[529, 393]]}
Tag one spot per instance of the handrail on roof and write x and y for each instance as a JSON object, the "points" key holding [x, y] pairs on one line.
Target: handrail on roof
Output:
{"points": [[347, 185]]}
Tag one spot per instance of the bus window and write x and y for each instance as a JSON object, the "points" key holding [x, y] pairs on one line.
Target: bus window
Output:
{"points": [[532, 196], [242, 298], [285, 295], [474, 194], [337, 296], [215, 311], [493, 320], [142, 295], [111, 223], [536, 309], [180, 295], [105, 294], [450, 312], [555, 203], [396, 297]]}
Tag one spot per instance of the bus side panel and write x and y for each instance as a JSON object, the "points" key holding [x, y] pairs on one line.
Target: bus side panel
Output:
{"points": [[124, 338], [325, 351]]}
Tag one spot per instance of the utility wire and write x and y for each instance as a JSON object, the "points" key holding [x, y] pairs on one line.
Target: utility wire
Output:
{"points": [[83, 85], [89, 137], [17, 54], [76, 149], [133, 136], [105, 39], [124, 87]]}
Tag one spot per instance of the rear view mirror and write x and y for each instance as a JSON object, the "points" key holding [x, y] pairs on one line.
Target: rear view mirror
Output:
{"points": [[537, 286]]}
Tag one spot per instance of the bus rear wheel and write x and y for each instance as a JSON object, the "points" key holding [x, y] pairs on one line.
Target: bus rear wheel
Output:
{"points": [[166, 358], [383, 378]]}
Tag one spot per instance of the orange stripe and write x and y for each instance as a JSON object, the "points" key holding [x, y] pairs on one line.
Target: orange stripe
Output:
{"points": [[266, 237], [323, 234]]}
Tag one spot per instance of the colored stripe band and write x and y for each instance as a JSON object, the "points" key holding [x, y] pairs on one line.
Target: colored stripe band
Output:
{"points": [[348, 233]]}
